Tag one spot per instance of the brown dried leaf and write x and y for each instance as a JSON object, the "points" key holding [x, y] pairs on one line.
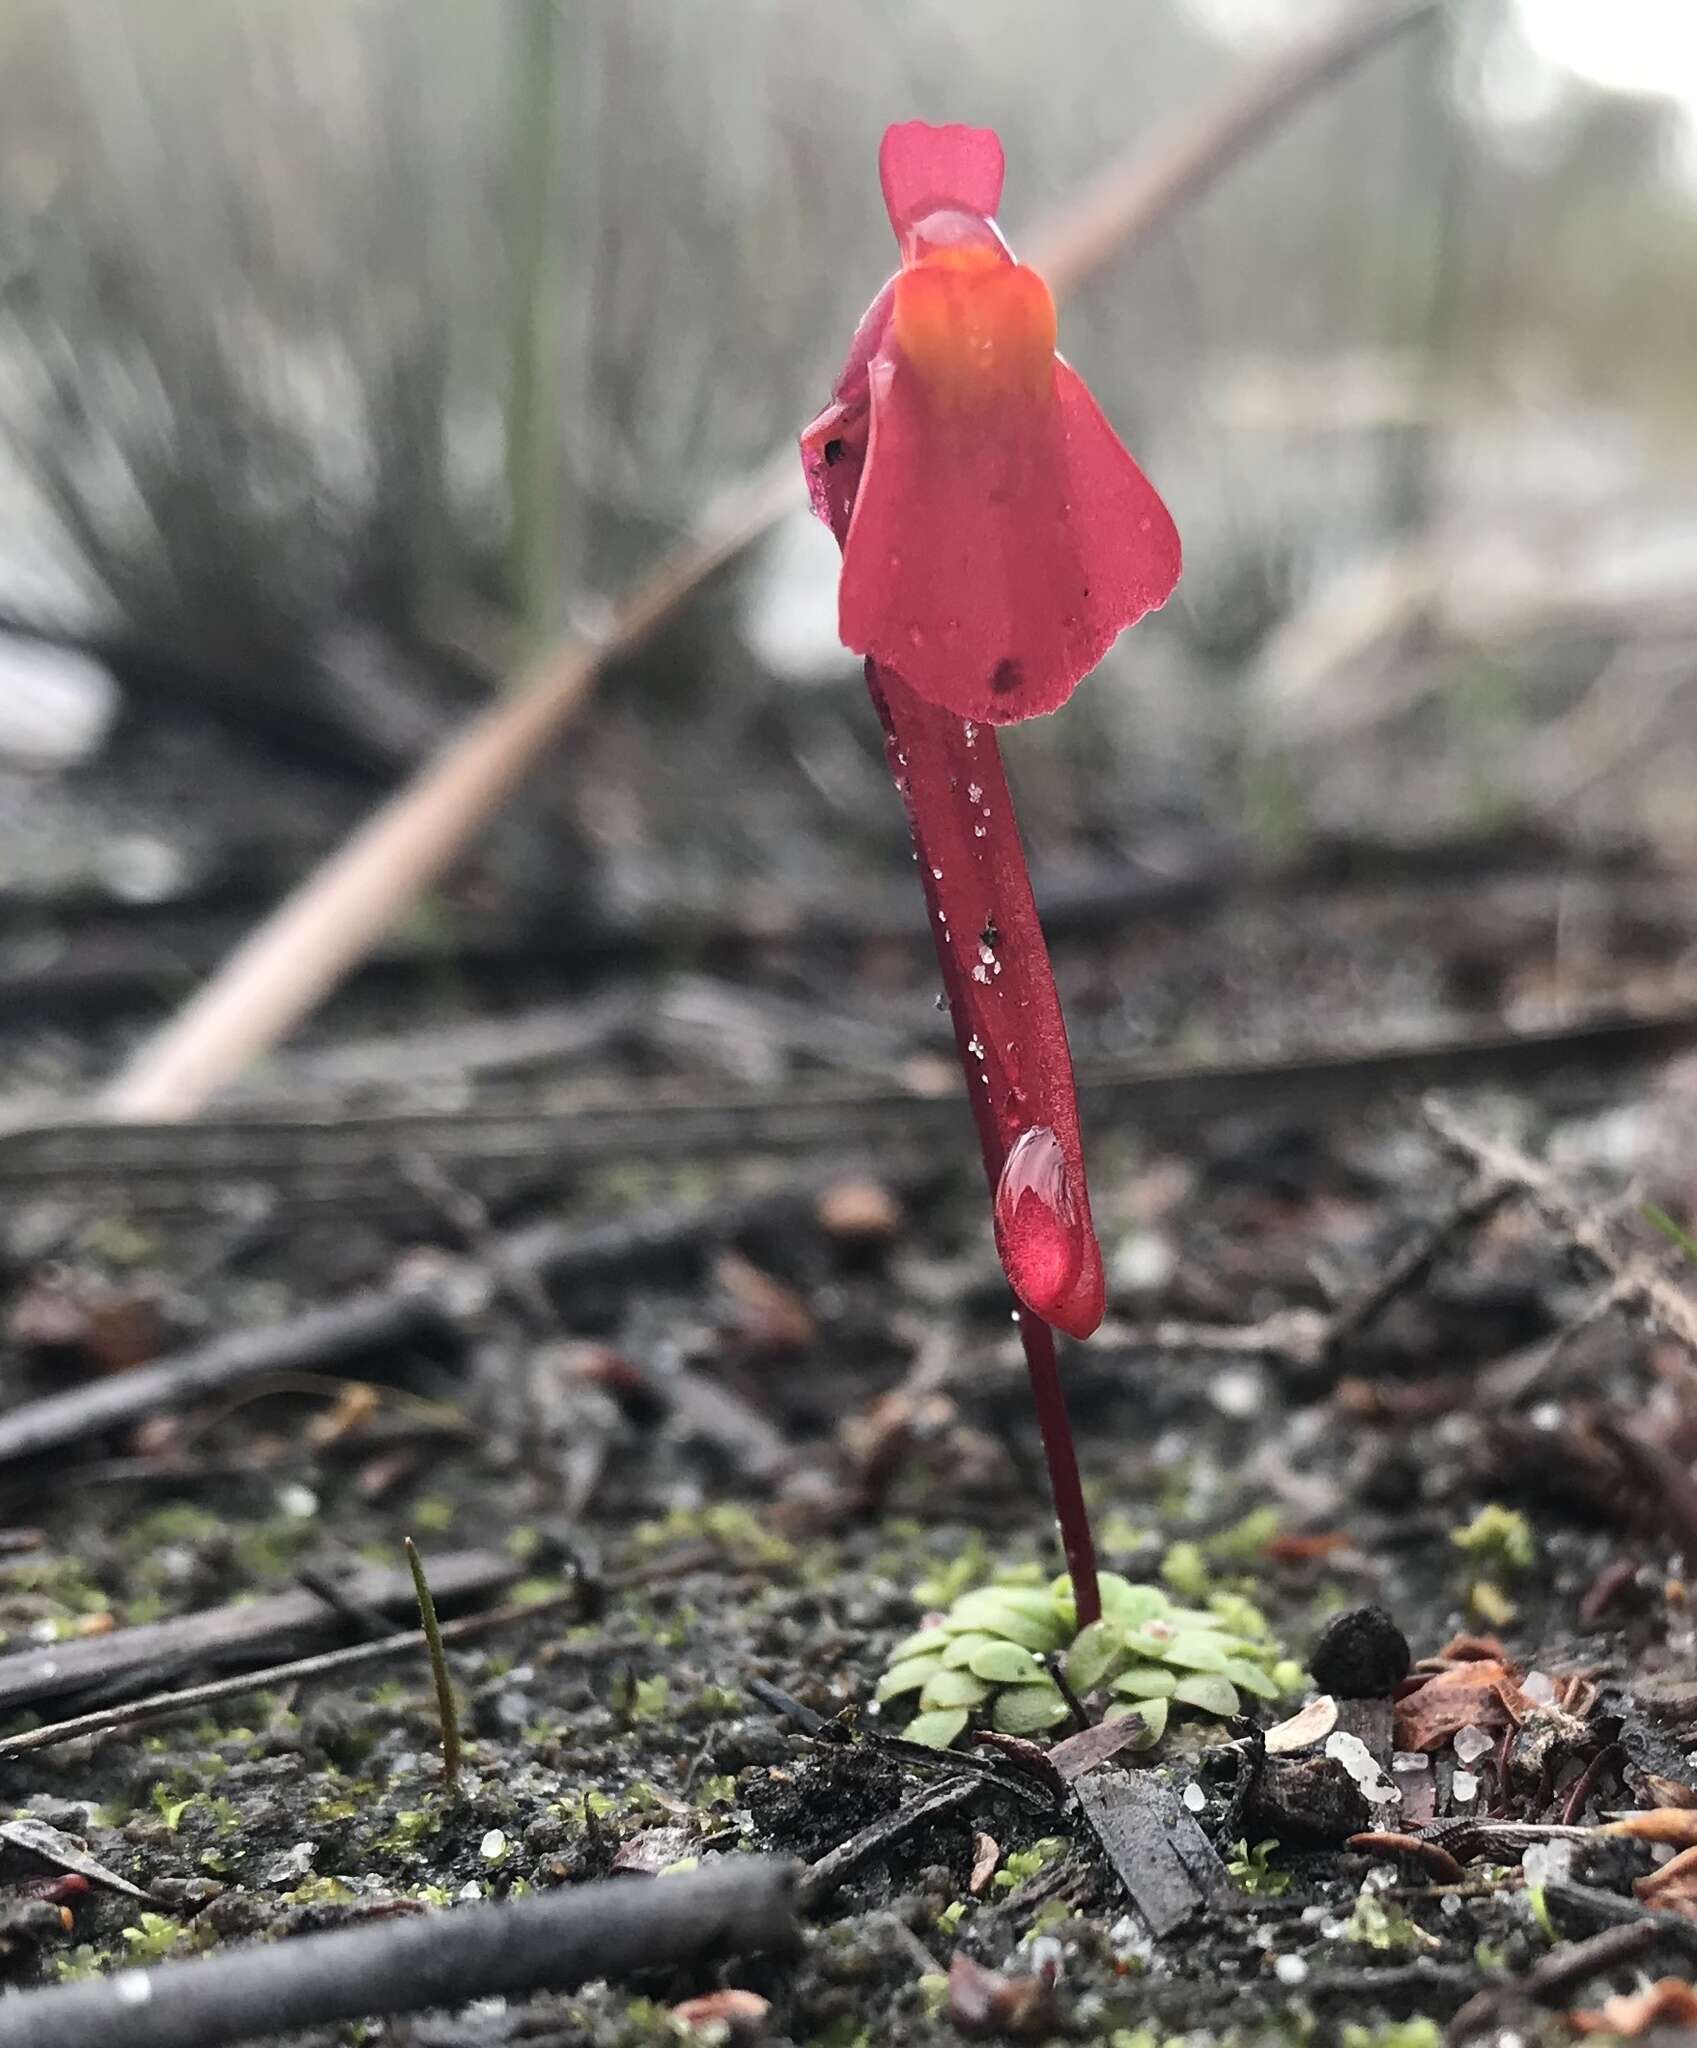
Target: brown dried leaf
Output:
{"points": [[985, 2001], [1035, 1761], [1670, 2000], [1467, 1694], [1673, 1888], [110, 1329], [771, 1316], [1669, 1791], [986, 1858], [1465, 1649]]}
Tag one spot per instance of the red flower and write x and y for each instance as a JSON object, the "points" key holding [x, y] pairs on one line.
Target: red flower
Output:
{"points": [[996, 537]]}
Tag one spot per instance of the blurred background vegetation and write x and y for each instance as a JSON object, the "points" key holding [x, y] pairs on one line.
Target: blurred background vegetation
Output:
{"points": [[350, 349]]}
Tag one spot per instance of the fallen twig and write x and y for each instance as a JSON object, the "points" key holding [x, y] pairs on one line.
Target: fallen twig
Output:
{"points": [[838, 1865], [1392, 1842], [233, 1633], [744, 1905], [409, 1309], [302, 950], [185, 1699], [1473, 1208], [374, 1319], [1304, 1339], [349, 1154], [1634, 1281], [1576, 1962]]}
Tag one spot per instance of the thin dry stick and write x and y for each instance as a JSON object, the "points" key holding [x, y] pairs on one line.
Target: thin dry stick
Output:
{"points": [[1136, 195], [445, 1708], [1634, 1280], [298, 954], [163, 1706]]}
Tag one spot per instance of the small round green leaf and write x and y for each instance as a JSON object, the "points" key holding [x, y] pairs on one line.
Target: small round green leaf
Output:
{"points": [[1028, 1709], [1146, 1682], [959, 1654], [1131, 1606], [953, 1689], [997, 1611], [1096, 1654], [1006, 1664], [1194, 1653], [908, 1676], [1152, 1713], [937, 1730], [1033, 1600], [1209, 1691], [924, 1642], [1251, 1678], [1185, 1619]]}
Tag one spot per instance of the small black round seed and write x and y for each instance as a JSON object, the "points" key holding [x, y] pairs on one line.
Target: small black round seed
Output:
{"points": [[1361, 1655]]}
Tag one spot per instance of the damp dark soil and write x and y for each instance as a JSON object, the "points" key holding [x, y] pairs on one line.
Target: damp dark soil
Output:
{"points": [[1360, 1355]]}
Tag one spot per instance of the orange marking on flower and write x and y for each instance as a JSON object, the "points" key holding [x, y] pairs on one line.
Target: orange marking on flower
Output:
{"points": [[977, 328]]}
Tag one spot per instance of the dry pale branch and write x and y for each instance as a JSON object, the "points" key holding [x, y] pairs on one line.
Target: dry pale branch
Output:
{"points": [[1634, 1281], [298, 954]]}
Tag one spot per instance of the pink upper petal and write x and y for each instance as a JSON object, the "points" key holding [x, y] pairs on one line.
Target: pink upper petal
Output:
{"points": [[926, 170]]}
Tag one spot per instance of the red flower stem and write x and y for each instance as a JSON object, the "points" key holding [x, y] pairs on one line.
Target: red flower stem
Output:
{"points": [[1053, 1421], [1000, 990]]}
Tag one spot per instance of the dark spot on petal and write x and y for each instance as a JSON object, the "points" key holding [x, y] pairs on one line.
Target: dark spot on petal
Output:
{"points": [[991, 935], [1008, 676], [833, 451]]}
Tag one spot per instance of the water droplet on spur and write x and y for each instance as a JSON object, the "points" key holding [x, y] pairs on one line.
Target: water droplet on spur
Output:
{"points": [[1039, 1231]]}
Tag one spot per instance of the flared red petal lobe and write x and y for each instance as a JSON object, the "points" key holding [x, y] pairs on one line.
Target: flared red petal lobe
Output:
{"points": [[931, 170], [996, 552]]}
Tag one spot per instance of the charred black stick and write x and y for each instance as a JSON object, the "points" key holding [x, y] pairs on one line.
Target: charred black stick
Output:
{"points": [[819, 1880], [611, 1930]]}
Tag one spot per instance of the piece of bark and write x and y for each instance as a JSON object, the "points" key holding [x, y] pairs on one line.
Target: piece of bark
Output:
{"points": [[1310, 1799], [1164, 1860]]}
